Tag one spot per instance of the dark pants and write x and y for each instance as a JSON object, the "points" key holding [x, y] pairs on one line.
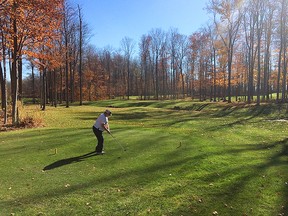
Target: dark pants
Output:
{"points": [[98, 134]]}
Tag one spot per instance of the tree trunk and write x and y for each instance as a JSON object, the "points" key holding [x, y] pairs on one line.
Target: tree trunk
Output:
{"points": [[284, 38], [2, 84], [55, 87], [259, 62], [80, 57], [33, 85], [3, 91], [44, 90], [128, 78], [20, 89], [66, 62], [14, 72]]}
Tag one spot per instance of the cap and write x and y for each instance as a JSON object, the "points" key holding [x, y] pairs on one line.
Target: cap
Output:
{"points": [[108, 112]]}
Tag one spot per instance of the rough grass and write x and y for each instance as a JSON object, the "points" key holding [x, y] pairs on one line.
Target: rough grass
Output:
{"points": [[182, 158]]}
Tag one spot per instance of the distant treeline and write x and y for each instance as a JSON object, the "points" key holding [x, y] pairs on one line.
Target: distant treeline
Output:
{"points": [[241, 53]]}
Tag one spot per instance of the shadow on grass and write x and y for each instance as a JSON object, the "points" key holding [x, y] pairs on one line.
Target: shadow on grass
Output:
{"points": [[67, 161], [233, 191], [119, 116], [143, 174], [146, 174], [42, 140]]}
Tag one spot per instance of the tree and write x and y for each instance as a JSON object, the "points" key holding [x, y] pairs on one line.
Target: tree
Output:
{"points": [[259, 26], [3, 73], [194, 55], [144, 47], [128, 48], [80, 54], [227, 26], [182, 52], [268, 28], [250, 37], [172, 45], [27, 22], [66, 38], [283, 51], [157, 43], [212, 32]]}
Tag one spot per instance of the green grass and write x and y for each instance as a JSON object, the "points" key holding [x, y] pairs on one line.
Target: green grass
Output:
{"points": [[182, 158]]}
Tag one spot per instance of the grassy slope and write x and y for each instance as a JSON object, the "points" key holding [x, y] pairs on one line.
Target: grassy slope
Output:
{"points": [[183, 158]]}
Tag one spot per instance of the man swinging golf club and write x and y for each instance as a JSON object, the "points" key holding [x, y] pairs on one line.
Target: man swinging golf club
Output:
{"points": [[101, 124]]}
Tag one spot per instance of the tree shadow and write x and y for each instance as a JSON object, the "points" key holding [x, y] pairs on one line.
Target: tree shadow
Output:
{"points": [[233, 190], [152, 172], [67, 161]]}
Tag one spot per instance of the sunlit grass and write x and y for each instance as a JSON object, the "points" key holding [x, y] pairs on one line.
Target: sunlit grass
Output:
{"points": [[182, 158]]}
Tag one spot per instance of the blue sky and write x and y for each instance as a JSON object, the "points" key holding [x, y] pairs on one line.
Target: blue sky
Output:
{"points": [[112, 20]]}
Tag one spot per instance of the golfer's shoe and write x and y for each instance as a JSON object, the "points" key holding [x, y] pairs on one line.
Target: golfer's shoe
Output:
{"points": [[100, 153]]}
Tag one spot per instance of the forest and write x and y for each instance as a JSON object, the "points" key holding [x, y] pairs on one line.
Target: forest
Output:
{"points": [[240, 55]]}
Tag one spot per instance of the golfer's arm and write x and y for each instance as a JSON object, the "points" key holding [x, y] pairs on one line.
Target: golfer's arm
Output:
{"points": [[106, 127]]}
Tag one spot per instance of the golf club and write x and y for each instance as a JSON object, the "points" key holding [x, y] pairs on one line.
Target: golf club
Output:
{"points": [[118, 142]]}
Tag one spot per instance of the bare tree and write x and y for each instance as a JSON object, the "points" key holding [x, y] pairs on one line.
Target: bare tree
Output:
{"points": [[268, 28], [172, 45], [212, 32], [68, 29], [80, 54], [128, 48], [181, 55], [3, 74], [259, 25], [230, 12], [283, 53], [144, 46]]}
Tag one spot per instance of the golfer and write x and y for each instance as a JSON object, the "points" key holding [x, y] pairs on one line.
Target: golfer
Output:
{"points": [[101, 124]]}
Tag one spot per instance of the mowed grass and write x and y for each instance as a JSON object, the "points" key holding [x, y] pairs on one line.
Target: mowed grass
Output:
{"points": [[182, 158]]}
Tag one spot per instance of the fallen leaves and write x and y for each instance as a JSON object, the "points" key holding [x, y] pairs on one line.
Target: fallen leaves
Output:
{"points": [[89, 205]]}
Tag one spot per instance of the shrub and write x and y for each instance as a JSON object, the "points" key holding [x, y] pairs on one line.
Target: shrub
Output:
{"points": [[29, 116]]}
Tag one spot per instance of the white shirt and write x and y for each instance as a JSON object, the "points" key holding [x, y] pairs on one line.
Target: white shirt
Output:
{"points": [[102, 119]]}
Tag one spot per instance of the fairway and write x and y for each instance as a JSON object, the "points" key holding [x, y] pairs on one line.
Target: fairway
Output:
{"points": [[182, 158]]}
